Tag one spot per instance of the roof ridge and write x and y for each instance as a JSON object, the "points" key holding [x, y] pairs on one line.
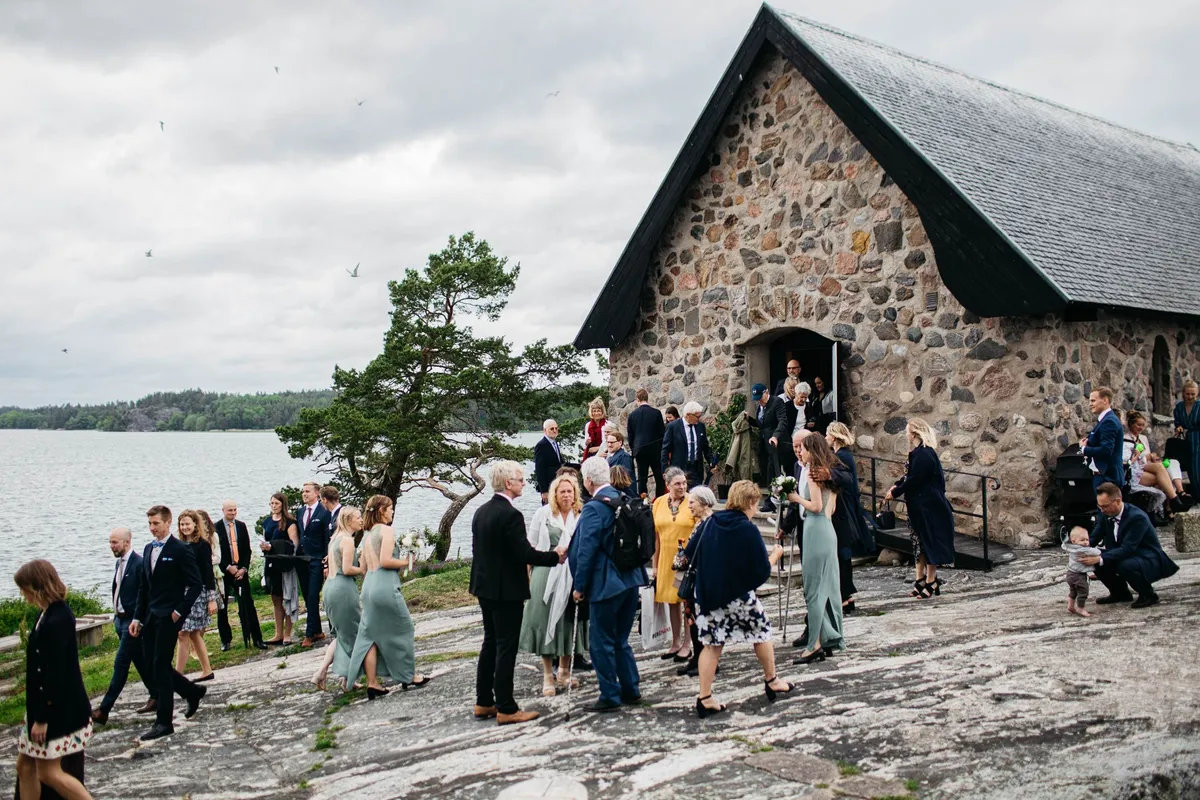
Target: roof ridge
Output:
{"points": [[927, 62]]}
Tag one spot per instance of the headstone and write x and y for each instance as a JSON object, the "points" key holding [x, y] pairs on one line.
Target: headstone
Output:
{"points": [[559, 787]]}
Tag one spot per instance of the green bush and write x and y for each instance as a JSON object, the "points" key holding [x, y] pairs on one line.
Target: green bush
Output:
{"points": [[14, 611]]}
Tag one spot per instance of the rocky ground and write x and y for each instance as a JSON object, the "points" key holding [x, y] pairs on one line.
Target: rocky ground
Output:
{"points": [[990, 691]]}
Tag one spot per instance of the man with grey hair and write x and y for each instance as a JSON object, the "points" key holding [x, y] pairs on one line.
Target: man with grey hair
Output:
{"points": [[129, 650], [547, 459], [685, 445], [611, 593], [500, 582]]}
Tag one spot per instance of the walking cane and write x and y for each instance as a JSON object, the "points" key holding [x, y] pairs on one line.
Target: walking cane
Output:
{"points": [[782, 539], [571, 677], [788, 604]]}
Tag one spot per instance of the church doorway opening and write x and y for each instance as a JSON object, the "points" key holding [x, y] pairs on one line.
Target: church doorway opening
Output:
{"points": [[768, 354]]}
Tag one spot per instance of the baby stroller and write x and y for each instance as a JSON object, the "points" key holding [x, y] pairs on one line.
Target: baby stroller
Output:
{"points": [[1076, 495]]}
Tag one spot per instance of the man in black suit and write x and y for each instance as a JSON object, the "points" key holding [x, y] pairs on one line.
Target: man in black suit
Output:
{"points": [[646, 429], [685, 445], [771, 420], [169, 585], [499, 580], [1132, 557], [331, 500], [793, 371], [313, 521], [547, 459], [125, 583], [233, 537]]}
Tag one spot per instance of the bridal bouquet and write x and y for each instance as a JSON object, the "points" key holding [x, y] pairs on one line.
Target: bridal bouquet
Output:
{"points": [[782, 486], [413, 542]]}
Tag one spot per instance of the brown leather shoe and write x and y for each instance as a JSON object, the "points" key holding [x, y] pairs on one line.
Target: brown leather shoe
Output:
{"points": [[517, 718], [485, 712], [149, 707], [99, 716], [307, 642]]}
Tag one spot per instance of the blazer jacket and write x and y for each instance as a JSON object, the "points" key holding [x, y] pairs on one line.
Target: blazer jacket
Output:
{"points": [[675, 446], [243, 547], [1105, 445], [546, 462], [173, 585], [54, 691], [645, 429], [129, 585], [774, 422], [1134, 545], [596, 577], [314, 538], [500, 552]]}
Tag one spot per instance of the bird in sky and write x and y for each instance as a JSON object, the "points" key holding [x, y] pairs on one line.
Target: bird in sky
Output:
{"points": [[552, 94], [64, 349], [277, 70], [162, 126], [148, 252], [360, 102], [353, 274]]}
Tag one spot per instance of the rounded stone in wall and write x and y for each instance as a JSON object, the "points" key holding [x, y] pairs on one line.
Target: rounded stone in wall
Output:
{"points": [[986, 454], [970, 421]]}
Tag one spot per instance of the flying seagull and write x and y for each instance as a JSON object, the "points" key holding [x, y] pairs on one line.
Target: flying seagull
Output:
{"points": [[552, 94], [148, 252], [360, 102], [277, 70], [64, 349], [162, 126], [353, 274]]}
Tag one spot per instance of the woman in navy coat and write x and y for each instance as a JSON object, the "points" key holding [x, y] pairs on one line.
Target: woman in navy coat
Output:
{"points": [[929, 514]]}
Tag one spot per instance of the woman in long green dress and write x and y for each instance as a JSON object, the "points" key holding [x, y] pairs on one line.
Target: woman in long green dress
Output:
{"points": [[553, 525], [822, 584], [341, 596], [384, 646]]}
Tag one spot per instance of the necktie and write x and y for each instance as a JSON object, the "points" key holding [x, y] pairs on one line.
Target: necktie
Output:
{"points": [[157, 545], [556, 452], [307, 515], [155, 551], [231, 531], [691, 437], [117, 585]]}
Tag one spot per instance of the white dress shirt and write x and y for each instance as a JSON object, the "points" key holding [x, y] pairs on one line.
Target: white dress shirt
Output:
{"points": [[122, 564]]}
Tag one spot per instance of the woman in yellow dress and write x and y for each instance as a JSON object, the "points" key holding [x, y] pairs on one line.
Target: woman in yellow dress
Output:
{"points": [[673, 522]]}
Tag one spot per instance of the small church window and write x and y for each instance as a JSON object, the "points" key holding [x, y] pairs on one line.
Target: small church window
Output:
{"points": [[1160, 377]]}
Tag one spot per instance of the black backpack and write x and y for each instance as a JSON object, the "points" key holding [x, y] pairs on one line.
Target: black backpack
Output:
{"points": [[633, 532]]}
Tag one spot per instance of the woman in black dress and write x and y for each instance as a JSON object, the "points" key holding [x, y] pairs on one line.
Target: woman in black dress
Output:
{"points": [[200, 537], [58, 716], [929, 514], [281, 537]]}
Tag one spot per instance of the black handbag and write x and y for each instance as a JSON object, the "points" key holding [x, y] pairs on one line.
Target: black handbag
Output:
{"points": [[687, 586], [886, 519]]}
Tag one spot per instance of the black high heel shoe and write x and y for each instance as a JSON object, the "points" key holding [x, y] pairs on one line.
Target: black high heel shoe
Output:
{"points": [[372, 692], [415, 684], [920, 589], [815, 655], [772, 693], [704, 711], [935, 587]]}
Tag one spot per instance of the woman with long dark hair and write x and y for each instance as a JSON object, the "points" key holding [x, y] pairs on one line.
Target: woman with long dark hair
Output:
{"points": [[822, 588], [201, 538], [58, 721], [281, 537], [853, 534]]}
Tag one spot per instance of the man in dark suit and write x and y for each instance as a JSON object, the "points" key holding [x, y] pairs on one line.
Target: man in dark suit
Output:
{"points": [[313, 521], [685, 445], [771, 419], [1132, 557], [168, 586], [500, 582], [233, 537], [1104, 445], [547, 459], [793, 371], [645, 428], [125, 583]]}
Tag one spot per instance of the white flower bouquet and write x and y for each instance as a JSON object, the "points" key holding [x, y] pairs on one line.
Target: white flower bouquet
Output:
{"points": [[413, 542], [783, 486]]}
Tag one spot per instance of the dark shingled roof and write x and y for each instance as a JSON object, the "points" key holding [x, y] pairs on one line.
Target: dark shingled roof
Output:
{"points": [[1031, 207]]}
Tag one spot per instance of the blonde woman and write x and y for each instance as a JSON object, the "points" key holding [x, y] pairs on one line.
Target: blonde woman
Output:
{"points": [[341, 596], [593, 432], [194, 533], [930, 519], [546, 626]]}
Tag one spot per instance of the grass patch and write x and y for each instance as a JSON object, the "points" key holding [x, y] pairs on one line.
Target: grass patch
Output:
{"points": [[325, 739], [455, 655], [847, 768], [316, 767], [240, 707], [912, 784], [755, 746], [445, 589], [894, 653], [303, 784], [14, 611]]}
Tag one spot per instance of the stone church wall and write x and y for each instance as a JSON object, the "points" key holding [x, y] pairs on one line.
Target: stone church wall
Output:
{"points": [[795, 225]]}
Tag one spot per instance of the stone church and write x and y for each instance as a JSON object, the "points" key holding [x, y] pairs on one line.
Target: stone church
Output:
{"points": [[929, 243]]}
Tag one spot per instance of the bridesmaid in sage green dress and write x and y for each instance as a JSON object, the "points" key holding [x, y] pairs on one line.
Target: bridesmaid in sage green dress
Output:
{"points": [[552, 525], [822, 584], [384, 646], [341, 594]]}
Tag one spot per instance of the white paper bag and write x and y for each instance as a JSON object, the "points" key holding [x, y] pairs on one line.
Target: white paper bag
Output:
{"points": [[656, 621]]}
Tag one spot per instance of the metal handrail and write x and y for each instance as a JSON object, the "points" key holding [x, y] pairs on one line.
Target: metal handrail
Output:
{"points": [[984, 482]]}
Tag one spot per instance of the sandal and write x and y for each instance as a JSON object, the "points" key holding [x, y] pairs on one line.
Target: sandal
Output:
{"points": [[548, 689], [919, 589], [707, 711], [772, 693], [562, 685]]}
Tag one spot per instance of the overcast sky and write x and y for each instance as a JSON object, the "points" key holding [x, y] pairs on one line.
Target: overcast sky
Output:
{"points": [[262, 187]]}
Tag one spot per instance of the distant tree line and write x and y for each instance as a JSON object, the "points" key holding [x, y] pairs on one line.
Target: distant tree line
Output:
{"points": [[191, 410]]}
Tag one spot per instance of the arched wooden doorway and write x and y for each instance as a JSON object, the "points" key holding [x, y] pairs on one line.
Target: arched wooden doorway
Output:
{"points": [[768, 354]]}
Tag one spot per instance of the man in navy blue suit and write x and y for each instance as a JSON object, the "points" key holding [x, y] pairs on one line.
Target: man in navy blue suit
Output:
{"points": [[547, 459], [645, 434], [685, 445], [313, 520], [1104, 444], [125, 582], [1132, 557]]}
